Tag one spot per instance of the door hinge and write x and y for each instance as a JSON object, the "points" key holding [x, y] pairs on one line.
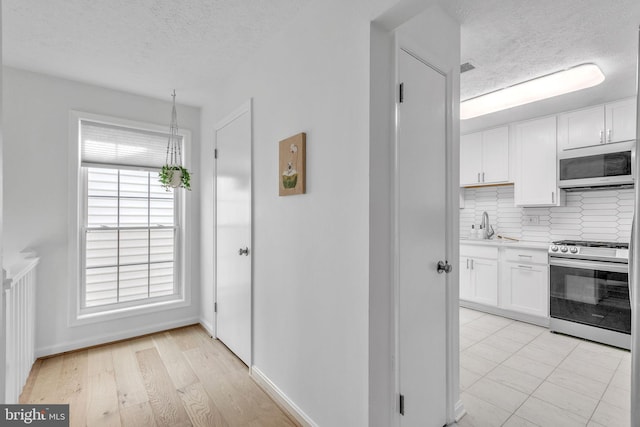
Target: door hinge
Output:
{"points": [[215, 307], [401, 404], [401, 95], [215, 153]]}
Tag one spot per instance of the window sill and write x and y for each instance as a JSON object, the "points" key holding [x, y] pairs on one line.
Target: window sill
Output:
{"points": [[123, 312]]}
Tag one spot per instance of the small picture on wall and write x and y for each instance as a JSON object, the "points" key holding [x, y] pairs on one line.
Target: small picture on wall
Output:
{"points": [[291, 176]]}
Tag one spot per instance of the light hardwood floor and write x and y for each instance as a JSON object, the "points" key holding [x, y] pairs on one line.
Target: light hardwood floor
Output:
{"points": [[176, 378]]}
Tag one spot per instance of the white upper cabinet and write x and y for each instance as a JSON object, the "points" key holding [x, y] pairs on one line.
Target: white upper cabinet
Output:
{"points": [[603, 124], [484, 157], [536, 176], [620, 120]]}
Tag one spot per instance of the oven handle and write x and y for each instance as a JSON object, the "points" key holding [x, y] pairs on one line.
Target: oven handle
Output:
{"points": [[591, 265]]}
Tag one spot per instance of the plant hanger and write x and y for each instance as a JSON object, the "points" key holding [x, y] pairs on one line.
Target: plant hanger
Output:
{"points": [[173, 174]]}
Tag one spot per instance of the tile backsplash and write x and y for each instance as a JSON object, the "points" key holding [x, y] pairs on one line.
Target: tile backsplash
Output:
{"points": [[603, 215]]}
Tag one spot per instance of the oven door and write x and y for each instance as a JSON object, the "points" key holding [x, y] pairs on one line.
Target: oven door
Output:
{"points": [[593, 293]]}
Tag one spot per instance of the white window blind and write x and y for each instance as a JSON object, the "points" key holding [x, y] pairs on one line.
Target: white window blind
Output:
{"points": [[130, 237], [106, 145]]}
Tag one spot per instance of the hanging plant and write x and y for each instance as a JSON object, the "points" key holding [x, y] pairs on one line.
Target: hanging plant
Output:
{"points": [[175, 177], [173, 174]]}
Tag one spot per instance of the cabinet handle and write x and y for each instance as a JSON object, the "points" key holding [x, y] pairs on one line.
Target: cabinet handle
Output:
{"points": [[608, 135], [525, 256], [553, 197], [601, 136], [528, 267], [482, 176], [478, 176], [467, 263], [472, 264]]}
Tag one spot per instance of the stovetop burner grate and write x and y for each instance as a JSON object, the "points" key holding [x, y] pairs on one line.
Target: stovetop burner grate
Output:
{"points": [[592, 244]]}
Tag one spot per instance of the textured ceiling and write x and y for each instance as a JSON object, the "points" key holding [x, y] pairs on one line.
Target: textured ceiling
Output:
{"points": [[142, 46], [152, 46], [511, 41]]}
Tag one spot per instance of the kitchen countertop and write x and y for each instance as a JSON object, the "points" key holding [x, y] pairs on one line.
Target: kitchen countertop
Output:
{"points": [[506, 243]]}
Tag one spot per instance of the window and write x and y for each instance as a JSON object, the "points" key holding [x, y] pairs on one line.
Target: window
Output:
{"points": [[129, 225]]}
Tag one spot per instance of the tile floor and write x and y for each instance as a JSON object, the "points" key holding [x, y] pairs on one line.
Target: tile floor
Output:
{"points": [[517, 374]]}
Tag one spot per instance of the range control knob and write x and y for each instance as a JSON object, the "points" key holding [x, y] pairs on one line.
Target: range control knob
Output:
{"points": [[554, 248], [563, 249], [573, 250]]}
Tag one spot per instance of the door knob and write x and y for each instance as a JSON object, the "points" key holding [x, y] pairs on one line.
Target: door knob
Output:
{"points": [[444, 267], [244, 251]]}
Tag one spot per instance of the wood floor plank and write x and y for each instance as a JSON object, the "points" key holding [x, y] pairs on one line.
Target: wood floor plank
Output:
{"points": [[102, 397], [141, 343], [72, 385], [201, 409], [163, 397], [28, 387], [46, 384], [137, 415], [233, 405], [179, 370], [131, 390]]}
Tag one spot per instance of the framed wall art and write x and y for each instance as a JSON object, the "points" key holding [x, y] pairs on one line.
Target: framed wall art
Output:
{"points": [[292, 170]]}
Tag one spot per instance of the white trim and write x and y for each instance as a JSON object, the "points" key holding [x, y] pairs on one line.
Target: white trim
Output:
{"points": [[246, 107], [208, 326], [280, 398], [75, 317], [108, 338], [459, 411]]}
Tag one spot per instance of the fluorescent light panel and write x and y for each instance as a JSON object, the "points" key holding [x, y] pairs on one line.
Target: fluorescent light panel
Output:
{"points": [[575, 78]]}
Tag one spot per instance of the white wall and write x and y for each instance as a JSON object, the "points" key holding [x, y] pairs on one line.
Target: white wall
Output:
{"points": [[37, 196], [310, 251]]}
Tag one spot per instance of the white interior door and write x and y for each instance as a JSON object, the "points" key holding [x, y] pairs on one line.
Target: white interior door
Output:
{"points": [[421, 218], [233, 233]]}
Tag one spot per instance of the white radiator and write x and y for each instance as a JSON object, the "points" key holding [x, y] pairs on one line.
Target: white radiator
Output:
{"points": [[19, 309]]}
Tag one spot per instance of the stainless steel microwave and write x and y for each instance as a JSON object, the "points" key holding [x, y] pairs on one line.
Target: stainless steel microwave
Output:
{"points": [[608, 165]]}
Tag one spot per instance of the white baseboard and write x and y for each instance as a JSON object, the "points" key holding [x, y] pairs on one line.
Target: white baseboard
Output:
{"points": [[281, 399], [459, 410], [208, 326], [107, 338]]}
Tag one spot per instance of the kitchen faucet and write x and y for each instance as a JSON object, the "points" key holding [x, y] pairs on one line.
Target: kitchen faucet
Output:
{"points": [[484, 226]]}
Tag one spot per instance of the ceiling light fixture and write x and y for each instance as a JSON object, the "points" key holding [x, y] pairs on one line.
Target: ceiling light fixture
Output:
{"points": [[575, 78]]}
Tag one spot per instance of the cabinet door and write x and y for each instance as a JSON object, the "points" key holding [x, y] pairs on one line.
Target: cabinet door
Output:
{"points": [[526, 288], [582, 128], [495, 155], [466, 291], [470, 159], [535, 183], [620, 121], [485, 281]]}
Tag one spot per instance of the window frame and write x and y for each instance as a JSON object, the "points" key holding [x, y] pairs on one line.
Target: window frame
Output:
{"points": [[79, 315]]}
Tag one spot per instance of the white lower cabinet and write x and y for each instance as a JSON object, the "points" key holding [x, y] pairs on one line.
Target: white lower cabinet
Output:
{"points": [[525, 288], [511, 279], [479, 274]]}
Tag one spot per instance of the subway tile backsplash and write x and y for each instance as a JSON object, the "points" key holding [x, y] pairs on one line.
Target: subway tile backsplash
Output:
{"points": [[603, 215]]}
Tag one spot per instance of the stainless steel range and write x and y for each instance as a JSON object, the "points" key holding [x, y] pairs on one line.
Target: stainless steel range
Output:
{"points": [[589, 291]]}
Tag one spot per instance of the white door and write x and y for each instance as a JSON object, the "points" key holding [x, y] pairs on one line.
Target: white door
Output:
{"points": [[233, 233], [484, 280], [421, 219]]}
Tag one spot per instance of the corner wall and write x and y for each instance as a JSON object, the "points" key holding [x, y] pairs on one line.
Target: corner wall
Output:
{"points": [[36, 135], [310, 252]]}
